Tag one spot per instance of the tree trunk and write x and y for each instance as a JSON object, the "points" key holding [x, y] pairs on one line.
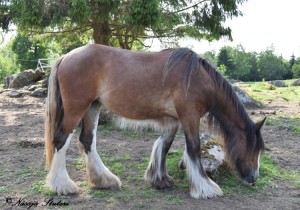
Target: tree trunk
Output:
{"points": [[101, 33]]}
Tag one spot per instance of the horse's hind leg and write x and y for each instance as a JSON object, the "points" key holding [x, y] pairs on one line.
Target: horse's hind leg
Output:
{"points": [[201, 186], [58, 179], [156, 173], [98, 175]]}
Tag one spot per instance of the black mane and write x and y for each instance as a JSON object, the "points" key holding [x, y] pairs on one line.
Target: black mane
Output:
{"points": [[225, 90]]}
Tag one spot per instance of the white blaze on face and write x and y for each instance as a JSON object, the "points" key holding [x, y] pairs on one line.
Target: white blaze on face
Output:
{"points": [[258, 165]]}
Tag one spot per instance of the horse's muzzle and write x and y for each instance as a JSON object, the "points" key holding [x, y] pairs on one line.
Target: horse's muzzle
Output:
{"points": [[250, 179]]}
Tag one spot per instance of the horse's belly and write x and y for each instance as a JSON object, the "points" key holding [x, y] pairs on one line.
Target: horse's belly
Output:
{"points": [[139, 107]]}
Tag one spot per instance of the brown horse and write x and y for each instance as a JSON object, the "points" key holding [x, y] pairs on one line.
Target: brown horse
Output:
{"points": [[171, 88]]}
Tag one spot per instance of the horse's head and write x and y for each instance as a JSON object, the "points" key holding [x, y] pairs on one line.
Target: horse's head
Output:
{"points": [[247, 158]]}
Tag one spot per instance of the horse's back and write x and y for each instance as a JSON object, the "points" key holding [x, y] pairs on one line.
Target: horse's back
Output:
{"points": [[126, 82]]}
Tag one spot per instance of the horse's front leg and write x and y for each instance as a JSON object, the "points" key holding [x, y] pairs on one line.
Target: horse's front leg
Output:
{"points": [[156, 173], [201, 186]]}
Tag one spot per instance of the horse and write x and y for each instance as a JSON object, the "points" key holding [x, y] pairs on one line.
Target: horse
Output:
{"points": [[172, 88]]}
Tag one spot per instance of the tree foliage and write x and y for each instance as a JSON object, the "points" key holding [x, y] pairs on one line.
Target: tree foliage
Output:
{"points": [[28, 51], [238, 64], [271, 67], [8, 62], [124, 23], [296, 68], [5, 14]]}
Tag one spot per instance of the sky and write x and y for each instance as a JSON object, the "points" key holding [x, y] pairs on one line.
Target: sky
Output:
{"points": [[264, 23]]}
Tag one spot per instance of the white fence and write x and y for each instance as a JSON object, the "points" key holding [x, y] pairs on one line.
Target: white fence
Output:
{"points": [[46, 63]]}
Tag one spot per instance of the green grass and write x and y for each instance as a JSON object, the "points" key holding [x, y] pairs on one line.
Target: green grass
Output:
{"points": [[103, 193], [4, 189], [173, 200], [79, 163], [229, 181], [262, 93], [39, 187], [269, 172], [283, 121]]}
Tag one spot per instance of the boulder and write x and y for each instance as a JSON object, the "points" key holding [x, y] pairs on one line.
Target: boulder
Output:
{"points": [[15, 94], [212, 155], [39, 93], [244, 97], [296, 83], [105, 117], [44, 82], [26, 78], [278, 83], [9, 79]]}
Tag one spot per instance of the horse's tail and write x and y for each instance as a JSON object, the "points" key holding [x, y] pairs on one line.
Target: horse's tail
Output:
{"points": [[54, 112]]}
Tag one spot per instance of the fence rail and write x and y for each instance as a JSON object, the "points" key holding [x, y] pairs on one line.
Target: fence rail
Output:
{"points": [[46, 63]]}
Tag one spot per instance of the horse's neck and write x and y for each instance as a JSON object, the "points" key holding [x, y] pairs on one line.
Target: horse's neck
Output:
{"points": [[229, 116]]}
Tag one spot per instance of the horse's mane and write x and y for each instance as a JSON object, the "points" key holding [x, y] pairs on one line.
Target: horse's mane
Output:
{"points": [[225, 90]]}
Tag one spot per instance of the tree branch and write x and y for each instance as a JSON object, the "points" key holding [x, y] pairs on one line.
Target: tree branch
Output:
{"points": [[186, 8]]}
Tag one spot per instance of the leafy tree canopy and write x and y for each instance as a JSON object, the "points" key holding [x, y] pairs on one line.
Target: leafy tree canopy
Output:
{"points": [[296, 68], [122, 22]]}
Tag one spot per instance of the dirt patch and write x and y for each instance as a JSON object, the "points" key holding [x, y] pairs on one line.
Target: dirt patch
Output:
{"points": [[23, 168]]}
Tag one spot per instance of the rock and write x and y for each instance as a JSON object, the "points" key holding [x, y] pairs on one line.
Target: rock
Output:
{"points": [[245, 98], [44, 83], [26, 78], [212, 155], [278, 83], [32, 87], [39, 93], [15, 94], [270, 86], [105, 117], [296, 83], [9, 79]]}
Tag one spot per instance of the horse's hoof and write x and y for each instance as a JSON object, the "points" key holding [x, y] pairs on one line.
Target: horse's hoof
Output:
{"points": [[166, 182], [105, 180]]}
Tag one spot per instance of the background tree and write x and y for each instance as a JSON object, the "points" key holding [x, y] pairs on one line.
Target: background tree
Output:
{"points": [[124, 23], [271, 67], [212, 57], [8, 61], [28, 51], [241, 61], [5, 14], [296, 68], [226, 61], [289, 74], [253, 74]]}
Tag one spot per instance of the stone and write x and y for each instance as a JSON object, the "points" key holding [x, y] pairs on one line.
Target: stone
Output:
{"points": [[9, 79], [32, 87], [245, 98], [296, 83], [15, 94], [25, 78], [44, 83], [212, 155], [39, 93], [105, 117], [278, 83]]}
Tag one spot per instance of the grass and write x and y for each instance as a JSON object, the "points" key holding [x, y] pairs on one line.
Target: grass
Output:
{"points": [[108, 129], [269, 172], [263, 93], [4, 189], [39, 187], [229, 180], [291, 123], [173, 200]]}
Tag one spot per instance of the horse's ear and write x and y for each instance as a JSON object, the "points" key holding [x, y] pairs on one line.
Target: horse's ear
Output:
{"points": [[259, 124]]}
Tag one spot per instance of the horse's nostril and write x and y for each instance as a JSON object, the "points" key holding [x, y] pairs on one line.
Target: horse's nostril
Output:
{"points": [[252, 179]]}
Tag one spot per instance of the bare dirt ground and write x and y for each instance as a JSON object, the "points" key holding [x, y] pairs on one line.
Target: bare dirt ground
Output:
{"points": [[22, 166]]}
